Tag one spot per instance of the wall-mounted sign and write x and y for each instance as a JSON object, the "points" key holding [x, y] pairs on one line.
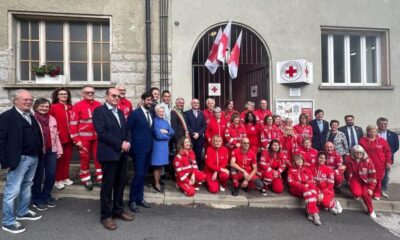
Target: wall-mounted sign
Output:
{"points": [[295, 92], [288, 108], [214, 89], [254, 91], [294, 71]]}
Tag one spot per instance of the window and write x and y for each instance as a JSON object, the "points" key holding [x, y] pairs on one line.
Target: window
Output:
{"points": [[353, 58], [80, 48]]}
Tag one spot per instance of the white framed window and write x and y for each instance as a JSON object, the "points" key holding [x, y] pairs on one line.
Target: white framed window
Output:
{"points": [[80, 48], [353, 58]]}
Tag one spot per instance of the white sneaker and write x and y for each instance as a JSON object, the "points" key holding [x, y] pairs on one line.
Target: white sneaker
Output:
{"points": [[59, 185], [68, 182], [377, 198], [197, 188], [221, 188], [373, 215], [338, 207], [385, 195], [333, 210]]}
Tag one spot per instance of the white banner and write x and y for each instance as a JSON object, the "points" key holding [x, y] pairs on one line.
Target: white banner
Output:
{"points": [[294, 71]]}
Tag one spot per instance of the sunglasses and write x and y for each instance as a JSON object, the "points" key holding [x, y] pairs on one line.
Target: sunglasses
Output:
{"points": [[115, 96], [89, 92]]}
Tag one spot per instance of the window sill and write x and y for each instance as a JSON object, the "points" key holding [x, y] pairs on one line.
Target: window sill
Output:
{"points": [[53, 86], [323, 87]]}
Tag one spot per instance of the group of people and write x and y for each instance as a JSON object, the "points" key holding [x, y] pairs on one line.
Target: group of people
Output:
{"points": [[253, 148]]}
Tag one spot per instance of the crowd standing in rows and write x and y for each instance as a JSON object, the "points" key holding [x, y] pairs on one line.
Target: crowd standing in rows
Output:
{"points": [[253, 148]]}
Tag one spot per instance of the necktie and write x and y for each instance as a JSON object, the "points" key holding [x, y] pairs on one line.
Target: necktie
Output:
{"points": [[195, 113], [27, 117], [148, 118], [352, 137]]}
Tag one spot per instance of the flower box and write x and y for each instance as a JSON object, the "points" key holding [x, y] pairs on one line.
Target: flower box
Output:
{"points": [[47, 79]]}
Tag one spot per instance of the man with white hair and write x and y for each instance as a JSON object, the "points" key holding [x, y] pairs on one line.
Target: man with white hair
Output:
{"points": [[21, 146], [208, 112]]}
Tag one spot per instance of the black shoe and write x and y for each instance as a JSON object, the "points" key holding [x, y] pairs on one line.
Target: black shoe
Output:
{"points": [[235, 192], [88, 185], [14, 228], [30, 216], [40, 206], [144, 204], [246, 189], [159, 190], [133, 207], [51, 203]]}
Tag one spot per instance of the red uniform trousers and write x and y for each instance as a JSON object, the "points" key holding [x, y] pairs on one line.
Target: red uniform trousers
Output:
{"points": [[360, 189], [188, 189], [213, 186], [89, 148], [276, 183], [238, 178], [309, 194], [62, 169], [327, 201], [338, 177]]}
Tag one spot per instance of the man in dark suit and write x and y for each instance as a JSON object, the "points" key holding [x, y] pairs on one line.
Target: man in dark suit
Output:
{"points": [[393, 140], [140, 124], [196, 125], [353, 133], [21, 145], [112, 150], [320, 129]]}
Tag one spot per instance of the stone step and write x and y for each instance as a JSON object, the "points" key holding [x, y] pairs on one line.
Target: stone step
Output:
{"points": [[223, 199]]}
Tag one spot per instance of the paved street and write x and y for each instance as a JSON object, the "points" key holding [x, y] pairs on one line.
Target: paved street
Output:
{"points": [[79, 219]]}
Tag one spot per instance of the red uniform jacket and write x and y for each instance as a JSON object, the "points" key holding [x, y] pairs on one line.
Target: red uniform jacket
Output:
{"points": [[62, 114], [261, 114], [125, 106], [253, 133], [275, 162], [379, 153], [245, 160], [81, 125], [216, 158], [333, 161], [243, 115], [299, 176], [267, 134], [303, 131], [324, 178], [364, 170], [215, 128], [185, 164], [228, 115], [309, 156], [208, 115], [289, 144], [234, 134]]}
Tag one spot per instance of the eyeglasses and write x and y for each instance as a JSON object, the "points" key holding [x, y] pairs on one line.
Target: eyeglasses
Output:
{"points": [[89, 92], [115, 96]]}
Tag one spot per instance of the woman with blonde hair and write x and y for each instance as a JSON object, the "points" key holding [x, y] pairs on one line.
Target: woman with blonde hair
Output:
{"points": [[361, 176]]}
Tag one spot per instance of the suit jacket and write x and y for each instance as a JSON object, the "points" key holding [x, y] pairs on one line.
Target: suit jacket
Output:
{"points": [[11, 138], [359, 133], [195, 124], [110, 134], [319, 138], [141, 132], [393, 141]]}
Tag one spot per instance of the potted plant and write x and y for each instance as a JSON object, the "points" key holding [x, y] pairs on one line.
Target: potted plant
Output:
{"points": [[48, 74]]}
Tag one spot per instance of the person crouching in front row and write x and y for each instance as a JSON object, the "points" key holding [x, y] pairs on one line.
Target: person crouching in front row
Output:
{"points": [[188, 177], [244, 168]]}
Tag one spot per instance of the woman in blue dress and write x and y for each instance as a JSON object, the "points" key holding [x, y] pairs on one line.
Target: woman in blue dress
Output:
{"points": [[162, 133]]}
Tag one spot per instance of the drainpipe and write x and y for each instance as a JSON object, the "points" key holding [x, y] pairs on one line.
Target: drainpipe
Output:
{"points": [[148, 46]]}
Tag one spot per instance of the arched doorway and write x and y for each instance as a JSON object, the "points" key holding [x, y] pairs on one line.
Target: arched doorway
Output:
{"points": [[252, 82]]}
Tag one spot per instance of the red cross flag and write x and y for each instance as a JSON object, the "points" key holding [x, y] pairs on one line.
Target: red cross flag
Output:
{"points": [[223, 44], [294, 71], [233, 61], [212, 62], [214, 89]]}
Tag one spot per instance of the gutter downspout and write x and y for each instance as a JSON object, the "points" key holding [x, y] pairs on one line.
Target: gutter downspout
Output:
{"points": [[148, 46]]}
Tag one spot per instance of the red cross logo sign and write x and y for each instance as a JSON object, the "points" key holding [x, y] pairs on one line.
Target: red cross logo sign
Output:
{"points": [[291, 71], [214, 89]]}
